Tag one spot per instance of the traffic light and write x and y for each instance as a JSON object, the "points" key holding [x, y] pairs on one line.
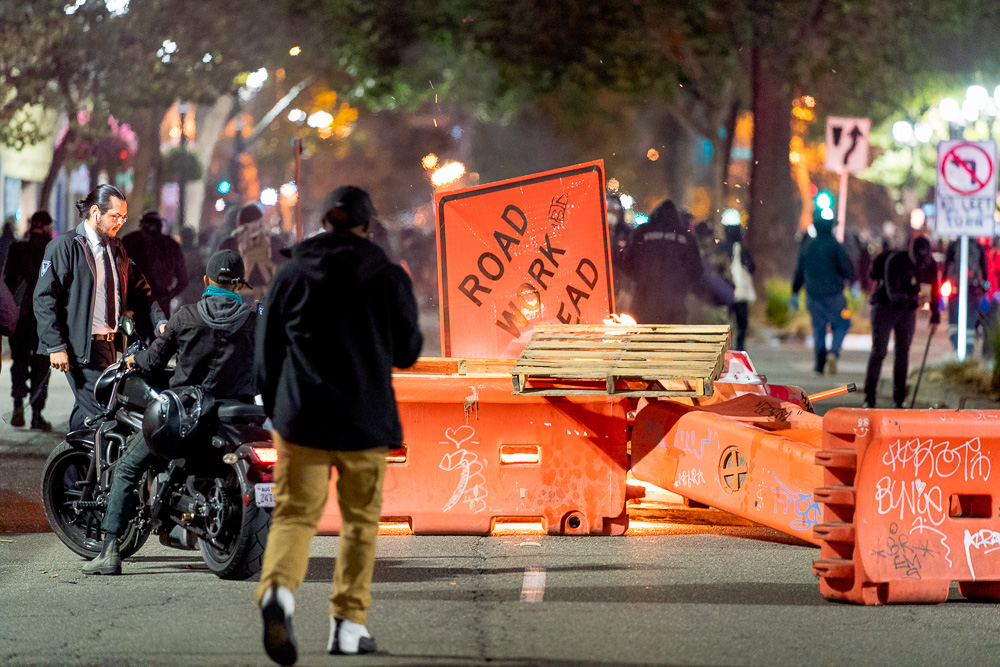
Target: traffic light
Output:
{"points": [[224, 187], [824, 204]]}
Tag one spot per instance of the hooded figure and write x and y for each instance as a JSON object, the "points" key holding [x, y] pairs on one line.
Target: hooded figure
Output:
{"points": [[897, 276], [824, 268], [662, 257], [339, 315], [159, 257], [213, 338]]}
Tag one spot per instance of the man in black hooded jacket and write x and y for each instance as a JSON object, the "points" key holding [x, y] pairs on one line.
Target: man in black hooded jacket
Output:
{"points": [[662, 257], [337, 317], [214, 342]]}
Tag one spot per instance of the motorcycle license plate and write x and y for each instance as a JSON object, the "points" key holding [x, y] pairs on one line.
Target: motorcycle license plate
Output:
{"points": [[264, 494]]}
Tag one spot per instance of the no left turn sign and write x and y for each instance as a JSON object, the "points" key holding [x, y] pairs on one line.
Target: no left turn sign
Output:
{"points": [[966, 188], [966, 168]]}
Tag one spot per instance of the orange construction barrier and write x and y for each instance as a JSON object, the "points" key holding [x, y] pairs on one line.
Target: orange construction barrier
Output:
{"points": [[474, 452], [910, 505], [751, 455]]}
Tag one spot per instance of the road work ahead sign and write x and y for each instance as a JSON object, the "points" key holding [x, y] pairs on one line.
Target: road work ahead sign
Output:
{"points": [[966, 188], [518, 253]]}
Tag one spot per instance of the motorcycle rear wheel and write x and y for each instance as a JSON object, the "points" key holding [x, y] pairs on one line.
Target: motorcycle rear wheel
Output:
{"points": [[79, 529], [243, 556]]}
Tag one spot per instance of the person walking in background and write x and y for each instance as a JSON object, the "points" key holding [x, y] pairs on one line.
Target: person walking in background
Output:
{"points": [[824, 269], [85, 284], [159, 258], [28, 370], [320, 364], [662, 257], [260, 250], [741, 270], [897, 277]]}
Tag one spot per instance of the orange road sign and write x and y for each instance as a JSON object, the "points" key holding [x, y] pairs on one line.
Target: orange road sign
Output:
{"points": [[521, 252]]}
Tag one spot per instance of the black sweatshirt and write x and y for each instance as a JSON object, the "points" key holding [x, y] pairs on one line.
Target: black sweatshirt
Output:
{"points": [[337, 317], [213, 340]]}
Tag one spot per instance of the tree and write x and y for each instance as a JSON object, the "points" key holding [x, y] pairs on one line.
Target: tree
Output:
{"points": [[134, 62]]}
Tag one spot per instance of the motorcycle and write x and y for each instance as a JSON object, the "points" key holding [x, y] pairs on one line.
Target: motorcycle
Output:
{"points": [[217, 500]]}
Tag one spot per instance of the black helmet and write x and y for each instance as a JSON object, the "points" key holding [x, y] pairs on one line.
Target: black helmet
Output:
{"points": [[171, 421]]}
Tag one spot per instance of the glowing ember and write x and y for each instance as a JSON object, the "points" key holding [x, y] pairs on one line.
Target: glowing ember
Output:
{"points": [[448, 173], [430, 161]]}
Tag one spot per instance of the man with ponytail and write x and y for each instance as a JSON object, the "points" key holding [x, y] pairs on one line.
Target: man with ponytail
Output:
{"points": [[85, 284]]}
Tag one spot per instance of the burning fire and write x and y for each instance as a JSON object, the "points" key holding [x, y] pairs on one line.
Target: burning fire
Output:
{"points": [[447, 173], [623, 318]]}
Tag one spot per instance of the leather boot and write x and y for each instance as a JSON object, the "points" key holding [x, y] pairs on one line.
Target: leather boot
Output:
{"points": [[109, 562]]}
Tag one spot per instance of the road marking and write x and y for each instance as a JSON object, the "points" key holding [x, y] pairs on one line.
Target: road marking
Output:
{"points": [[533, 584]]}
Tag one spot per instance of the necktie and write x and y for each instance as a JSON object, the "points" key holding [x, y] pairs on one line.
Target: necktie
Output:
{"points": [[109, 288]]}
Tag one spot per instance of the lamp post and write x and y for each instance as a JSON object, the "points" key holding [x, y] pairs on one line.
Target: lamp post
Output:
{"points": [[182, 109]]}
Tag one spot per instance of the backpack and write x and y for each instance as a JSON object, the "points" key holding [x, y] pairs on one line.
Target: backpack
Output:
{"points": [[742, 280], [899, 279], [255, 249]]}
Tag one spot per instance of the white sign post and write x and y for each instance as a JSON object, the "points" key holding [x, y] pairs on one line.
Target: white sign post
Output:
{"points": [[846, 153], [966, 201]]}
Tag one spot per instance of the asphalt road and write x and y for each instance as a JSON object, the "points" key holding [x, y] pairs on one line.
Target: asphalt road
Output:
{"points": [[694, 598]]}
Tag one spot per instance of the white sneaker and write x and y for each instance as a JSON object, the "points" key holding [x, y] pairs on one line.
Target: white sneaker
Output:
{"points": [[349, 638], [276, 609]]}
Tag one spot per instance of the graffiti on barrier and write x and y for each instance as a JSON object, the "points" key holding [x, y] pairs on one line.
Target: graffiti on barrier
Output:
{"points": [[693, 477], [471, 487], [801, 504], [929, 459], [906, 555], [985, 539]]}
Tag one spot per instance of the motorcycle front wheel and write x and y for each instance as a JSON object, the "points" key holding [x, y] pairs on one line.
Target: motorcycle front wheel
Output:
{"points": [[237, 551], [64, 490]]}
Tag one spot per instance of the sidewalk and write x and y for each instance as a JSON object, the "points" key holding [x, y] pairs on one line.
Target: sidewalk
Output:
{"points": [[24, 441], [791, 363]]}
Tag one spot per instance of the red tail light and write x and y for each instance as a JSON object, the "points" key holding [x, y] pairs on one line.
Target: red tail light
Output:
{"points": [[946, 289], [266, 454]]}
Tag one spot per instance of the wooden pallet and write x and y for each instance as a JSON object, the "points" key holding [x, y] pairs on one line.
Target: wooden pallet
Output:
{"points": [[621, 360]]}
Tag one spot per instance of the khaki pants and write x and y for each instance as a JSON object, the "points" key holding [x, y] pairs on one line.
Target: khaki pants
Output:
{"points": [[301, 485]]}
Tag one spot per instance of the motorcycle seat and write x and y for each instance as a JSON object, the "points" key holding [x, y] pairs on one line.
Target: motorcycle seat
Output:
{"points": [[236, 412]]}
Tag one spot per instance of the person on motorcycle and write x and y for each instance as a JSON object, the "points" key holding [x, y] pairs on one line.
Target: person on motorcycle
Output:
{"points": [[214, 343]]}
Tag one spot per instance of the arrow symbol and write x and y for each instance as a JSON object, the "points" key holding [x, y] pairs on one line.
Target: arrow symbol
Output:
{"points": [[855, 134], [969, 166], [837, 131]]}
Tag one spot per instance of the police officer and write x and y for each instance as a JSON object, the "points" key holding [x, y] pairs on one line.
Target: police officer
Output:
{"points": [[20, 274], [663, 258], [85, 284]]}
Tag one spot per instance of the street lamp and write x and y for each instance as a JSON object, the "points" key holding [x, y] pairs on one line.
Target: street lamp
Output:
{"points": [[902, 131], [182, 109], [950, 111]]}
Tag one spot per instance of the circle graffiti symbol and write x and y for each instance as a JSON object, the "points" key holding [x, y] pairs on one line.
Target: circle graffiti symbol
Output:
{"points": [[733, 469]]}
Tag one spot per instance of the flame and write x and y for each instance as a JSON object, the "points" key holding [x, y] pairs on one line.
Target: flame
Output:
{"points": [[448, 173], [623, 318]]}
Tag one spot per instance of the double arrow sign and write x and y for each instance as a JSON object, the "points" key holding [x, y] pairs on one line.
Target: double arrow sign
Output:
{"points": [[847, 144]]}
